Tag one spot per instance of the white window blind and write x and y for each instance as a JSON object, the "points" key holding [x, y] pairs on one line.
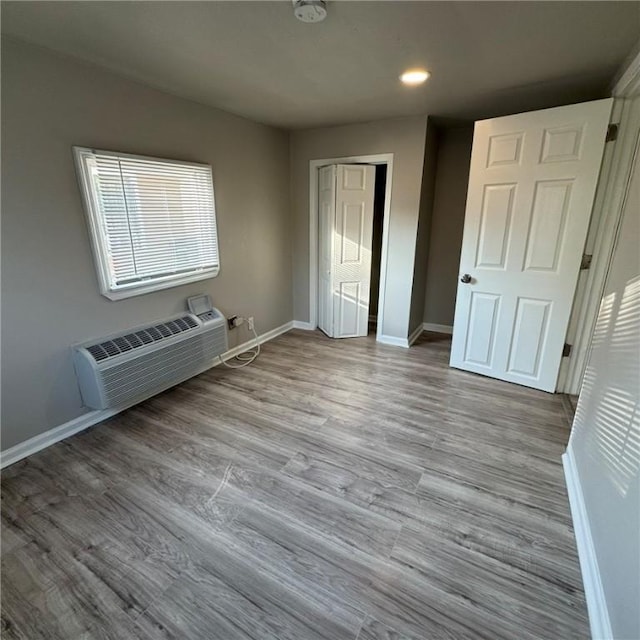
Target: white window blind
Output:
{"points": [[152, 221]]}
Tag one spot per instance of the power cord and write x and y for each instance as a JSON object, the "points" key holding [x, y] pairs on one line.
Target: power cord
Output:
{"points": [[245, 358]]}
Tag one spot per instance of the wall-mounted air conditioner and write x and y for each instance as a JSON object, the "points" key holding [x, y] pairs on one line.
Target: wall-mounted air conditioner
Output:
{"points": [[122, 369]]}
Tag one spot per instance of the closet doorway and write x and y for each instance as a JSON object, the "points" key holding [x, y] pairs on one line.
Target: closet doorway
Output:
{"points": [[350, 201]]}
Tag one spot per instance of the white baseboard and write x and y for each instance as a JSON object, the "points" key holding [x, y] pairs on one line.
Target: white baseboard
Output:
{"points": [[46, 439], [593, 589], [91, 418], [437, 328], [262, 338], [306, 326], [417, 332], [392, 340]]}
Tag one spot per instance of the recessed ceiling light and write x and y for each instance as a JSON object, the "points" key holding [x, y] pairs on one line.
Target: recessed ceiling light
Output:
{"points": [[414, 76]]}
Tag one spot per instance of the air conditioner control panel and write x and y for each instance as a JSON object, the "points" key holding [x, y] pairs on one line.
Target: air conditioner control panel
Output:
{"points": [[202, 307], [207, 316]]}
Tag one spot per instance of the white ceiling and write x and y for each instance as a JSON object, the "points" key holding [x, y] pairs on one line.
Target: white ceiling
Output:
{"points": [[255, 59]]}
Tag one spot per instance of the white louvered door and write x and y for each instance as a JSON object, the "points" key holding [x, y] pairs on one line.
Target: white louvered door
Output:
{"points": [[346, 194], [531, 188]]}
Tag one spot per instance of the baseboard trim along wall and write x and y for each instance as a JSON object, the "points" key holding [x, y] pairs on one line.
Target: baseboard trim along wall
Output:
{"points": [[306, 326], [593, 589], [438, 328], [415, 334], [91, 418], [393, 341], [46, 439]]}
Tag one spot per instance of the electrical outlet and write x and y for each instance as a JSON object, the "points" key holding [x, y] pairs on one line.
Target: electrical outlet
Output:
{"points": [[251, 325], [235, 321]]}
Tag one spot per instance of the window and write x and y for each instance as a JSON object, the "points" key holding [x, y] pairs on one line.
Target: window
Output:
{"points": [[152, 221]]}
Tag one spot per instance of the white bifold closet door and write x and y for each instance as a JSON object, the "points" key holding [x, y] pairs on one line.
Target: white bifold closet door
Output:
{"points": [[345, 208], [531, 189]]}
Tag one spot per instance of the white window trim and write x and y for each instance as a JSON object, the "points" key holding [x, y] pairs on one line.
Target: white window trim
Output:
{"points": [[99, 250]]}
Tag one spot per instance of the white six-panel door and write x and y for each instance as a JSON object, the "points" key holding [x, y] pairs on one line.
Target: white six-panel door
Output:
{"points": [[346, 194], [531, 188]]}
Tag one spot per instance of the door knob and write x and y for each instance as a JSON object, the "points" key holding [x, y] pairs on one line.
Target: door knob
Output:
{"points": [[466, 279]]}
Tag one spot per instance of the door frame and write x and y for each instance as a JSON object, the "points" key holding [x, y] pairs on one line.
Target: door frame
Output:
{"points": [[613, 185], [314, 165]]}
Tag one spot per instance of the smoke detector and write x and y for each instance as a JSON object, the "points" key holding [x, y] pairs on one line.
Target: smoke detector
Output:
{"points": [[310, 10]]}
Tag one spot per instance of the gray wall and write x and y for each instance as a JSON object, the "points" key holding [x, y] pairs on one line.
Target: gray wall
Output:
{"points": [[452, 177], [50, 293], [605, 441], [404, 137], [416, 316]]}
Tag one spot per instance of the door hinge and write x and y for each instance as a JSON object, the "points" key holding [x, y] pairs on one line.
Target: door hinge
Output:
{"points": [[586, 261], [566, 350], [612, 133]]}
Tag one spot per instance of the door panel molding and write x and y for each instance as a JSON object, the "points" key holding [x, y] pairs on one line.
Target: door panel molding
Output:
{"points": [[481, 329], [495, 225], [532, 317]]}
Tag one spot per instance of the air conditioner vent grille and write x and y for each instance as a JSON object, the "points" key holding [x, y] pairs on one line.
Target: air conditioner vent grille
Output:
{"points": [[137, 339], [122, 369]]}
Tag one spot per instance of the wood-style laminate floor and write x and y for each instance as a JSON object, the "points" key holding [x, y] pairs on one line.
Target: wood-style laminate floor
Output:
{"points": [[332, 490]]}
